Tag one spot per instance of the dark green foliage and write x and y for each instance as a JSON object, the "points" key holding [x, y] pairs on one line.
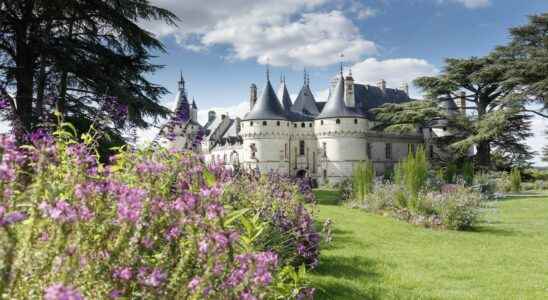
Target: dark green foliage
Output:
{"points": [[450, 173], [468, 173], [79, 57]]}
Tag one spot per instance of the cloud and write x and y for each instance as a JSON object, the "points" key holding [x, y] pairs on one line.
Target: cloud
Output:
{"points": [[233, 111], [394, 71], [284, 32], [472, 4]]}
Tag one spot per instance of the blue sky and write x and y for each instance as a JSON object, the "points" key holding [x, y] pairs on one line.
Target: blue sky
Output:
{"points": [[222, 46]]}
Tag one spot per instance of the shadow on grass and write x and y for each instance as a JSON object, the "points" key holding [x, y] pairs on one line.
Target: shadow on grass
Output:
{"points": [[493, 231], [339, 278], [328, 197]]}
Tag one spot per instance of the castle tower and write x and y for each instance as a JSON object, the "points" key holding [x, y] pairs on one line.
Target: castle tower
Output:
{"points": [[265, 132], [340, 131], [305, 102]]}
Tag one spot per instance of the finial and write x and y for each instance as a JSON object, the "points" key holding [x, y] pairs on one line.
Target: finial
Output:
{"points": [[268, 69], [350, 72], [181, 82], [342, 57], [304, 75]]}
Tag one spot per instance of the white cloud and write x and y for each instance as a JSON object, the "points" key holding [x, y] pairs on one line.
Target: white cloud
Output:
{"points": [[286, 32], [394, 71], [238, 110], [472, 4]]}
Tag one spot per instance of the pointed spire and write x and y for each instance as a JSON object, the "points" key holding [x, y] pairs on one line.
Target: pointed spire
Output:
{"points": [[335, 106], [342, 57], [283, 95], [181, 82]]}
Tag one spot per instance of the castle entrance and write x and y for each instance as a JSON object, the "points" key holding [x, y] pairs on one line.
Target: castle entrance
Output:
{"points": [[301, 173]]}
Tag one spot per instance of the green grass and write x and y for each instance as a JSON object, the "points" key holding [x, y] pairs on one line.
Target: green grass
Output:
{"points": [[376, 257]]}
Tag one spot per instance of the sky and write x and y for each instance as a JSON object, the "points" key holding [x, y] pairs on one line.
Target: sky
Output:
{"points": [[222, 46]]}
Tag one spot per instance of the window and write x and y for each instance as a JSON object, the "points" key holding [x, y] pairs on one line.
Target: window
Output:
{"points": [[314, 162], [368, 150], [295, 125], [411, 148], [324, 173], [388, 151], [310, 125], [251, 124], [321, 122], [338, 121], [301, 147], [278, 123], [355, 121], [324, 146], [264, 123], [302, 125], [285, 151]]}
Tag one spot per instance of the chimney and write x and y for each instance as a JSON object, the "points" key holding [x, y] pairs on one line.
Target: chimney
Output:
{"points": [[211, 116], [462, 102], [405, 87], [252, 96], [349, 98], [381, 84]]}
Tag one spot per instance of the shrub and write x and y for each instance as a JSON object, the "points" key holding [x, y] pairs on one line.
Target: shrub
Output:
{"points": [[363, 177], [468, 173], [450, 173], [412, 174], [154, 224], [515, 180], [457, 210]]}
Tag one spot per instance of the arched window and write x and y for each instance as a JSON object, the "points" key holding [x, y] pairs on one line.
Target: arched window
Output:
{"points": [[302, 125], [338, 121], [295, 125], [321, 122], [278, 123], [251, 124], [264, 123], [355, 121]]}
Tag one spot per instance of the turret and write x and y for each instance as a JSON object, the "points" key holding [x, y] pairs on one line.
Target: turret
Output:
{"points": [[349, 98], [404, 87], [381, 84]]}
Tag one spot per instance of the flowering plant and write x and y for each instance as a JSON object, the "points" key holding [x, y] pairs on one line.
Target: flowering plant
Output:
{"points": [[152, 224]]}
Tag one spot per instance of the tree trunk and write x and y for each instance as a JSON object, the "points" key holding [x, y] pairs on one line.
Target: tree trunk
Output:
{"points": [[483, 155]]}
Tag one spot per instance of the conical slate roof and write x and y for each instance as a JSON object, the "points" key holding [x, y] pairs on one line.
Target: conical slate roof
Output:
{"points": [[305, 102], [268, 107], [283, 95], [335, 106]]}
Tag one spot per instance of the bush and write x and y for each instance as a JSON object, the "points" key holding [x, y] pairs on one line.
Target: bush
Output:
{"points": [[458, 210], [153, 224], [363, 177], [412, 174], [381, 199], [515, 180]]}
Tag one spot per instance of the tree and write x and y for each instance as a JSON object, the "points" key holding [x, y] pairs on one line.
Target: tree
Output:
{"points": [[526, 61], [491, 120], [86, 59]]}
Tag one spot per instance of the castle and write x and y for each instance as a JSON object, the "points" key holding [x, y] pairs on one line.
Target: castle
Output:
{"points": [[306, 138]]}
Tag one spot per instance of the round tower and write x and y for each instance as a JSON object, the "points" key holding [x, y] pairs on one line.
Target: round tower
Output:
{"points": [[340, 131], [265, 133]]}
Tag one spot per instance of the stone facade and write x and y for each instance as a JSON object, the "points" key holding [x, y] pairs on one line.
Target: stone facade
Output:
{"points": [[324, 145]]}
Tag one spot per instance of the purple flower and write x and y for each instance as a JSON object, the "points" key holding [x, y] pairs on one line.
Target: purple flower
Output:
{"points": [[173, 233], [150, 167], [155, 278], [60, 292], [193, 283], [114, 294], [11, 218], [123, 273], [4, 103], [214, 210], [129, 203]]}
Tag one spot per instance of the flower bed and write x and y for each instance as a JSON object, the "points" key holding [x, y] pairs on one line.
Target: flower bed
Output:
{"points": [[151, 224]]}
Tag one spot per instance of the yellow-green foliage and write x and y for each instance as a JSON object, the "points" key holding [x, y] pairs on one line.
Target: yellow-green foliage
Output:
{"points": [[363, 178], [515, 180]]}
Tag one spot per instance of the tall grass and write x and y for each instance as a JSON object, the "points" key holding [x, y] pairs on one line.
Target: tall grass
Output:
{"points": [[515, 180], [468, 173], [363, 177], [412, 174]]}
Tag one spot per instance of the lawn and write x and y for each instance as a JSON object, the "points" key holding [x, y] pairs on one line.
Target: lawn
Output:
{"points": [[376, 257]]}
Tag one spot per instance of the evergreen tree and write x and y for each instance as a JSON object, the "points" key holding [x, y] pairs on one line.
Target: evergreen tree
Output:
{"points": [[86, 59], [491, 120]]}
